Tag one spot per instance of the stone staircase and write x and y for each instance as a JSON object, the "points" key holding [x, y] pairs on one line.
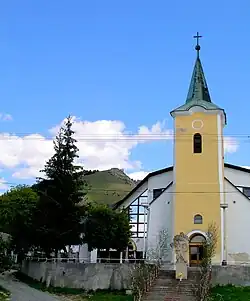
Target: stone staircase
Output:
{"points": [[167, 288]]}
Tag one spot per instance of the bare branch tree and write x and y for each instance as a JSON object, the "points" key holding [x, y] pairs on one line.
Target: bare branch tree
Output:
{"points": [[202, 290], [159, 253], [143, 274]]}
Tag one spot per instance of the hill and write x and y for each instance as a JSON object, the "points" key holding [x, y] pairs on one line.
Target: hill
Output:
{"points": [[108, 186]]}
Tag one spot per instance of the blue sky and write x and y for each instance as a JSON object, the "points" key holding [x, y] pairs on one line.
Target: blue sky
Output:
{"points": [[127, 61]]}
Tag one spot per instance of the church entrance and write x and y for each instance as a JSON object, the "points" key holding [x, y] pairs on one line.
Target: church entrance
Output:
{"points": [[196, 249]]}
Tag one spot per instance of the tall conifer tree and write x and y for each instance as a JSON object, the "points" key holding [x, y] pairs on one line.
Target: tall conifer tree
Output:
{"points": [[60, 192]]}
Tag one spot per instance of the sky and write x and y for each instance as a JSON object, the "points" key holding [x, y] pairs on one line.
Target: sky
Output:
{"points": [[118, 67]]}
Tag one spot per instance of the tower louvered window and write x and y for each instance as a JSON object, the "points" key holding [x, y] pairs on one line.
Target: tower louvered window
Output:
{"points": [[197, 141]]}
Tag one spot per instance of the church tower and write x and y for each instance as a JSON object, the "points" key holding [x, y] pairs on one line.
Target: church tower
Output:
{"points": [[198, 163]]}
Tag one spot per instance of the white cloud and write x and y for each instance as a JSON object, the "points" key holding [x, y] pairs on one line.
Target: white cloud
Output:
{"points": [[3, 184], [231, 145], [5, 117], [247, 167], [102, 144], [138, 175], [155, 133]]}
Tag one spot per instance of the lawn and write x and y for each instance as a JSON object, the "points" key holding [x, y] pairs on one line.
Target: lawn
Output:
{"points": [[99, 296], [230, 292], [110, 297]]}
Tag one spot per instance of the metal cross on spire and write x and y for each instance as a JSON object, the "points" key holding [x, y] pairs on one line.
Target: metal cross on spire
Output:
{"points": [[197, 47]]}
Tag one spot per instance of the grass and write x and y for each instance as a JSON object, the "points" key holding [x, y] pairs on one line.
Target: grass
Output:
{"points": [[107, 187], [73, 293], [230, 292], [4, 294], [105, 296]]}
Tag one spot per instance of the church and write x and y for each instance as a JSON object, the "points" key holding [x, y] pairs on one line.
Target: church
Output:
{"points": [[198, 190]]}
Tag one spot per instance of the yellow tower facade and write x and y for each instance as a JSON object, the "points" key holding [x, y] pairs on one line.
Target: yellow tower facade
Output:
{"points": [[198, 166]]}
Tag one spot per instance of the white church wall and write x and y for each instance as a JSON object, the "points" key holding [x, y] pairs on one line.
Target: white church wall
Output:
{"points": [[237, 177], [237, 225], [160, 218], [159, 181], [159, 223]]}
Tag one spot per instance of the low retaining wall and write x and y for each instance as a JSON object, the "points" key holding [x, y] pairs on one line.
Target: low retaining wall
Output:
{"points": [[231, 274], [90, 276], [93, 276]]}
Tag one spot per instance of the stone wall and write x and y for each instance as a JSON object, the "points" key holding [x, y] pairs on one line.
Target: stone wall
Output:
{"points": [[231, 274], [90, 276], [93, 276]]}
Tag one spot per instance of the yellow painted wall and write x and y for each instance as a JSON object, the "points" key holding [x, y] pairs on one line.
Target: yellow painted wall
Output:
{"points": [[196, 175]]}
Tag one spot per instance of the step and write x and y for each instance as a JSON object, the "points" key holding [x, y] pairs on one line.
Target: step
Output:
{"points": [[171, 274], [167, 273], [167, 288], [175, 281], [168, 297], [176, 292], [182, 285], [173, 287]]}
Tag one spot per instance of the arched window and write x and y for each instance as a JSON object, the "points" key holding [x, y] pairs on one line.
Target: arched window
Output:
{"points": [[197, 238], [198, 219], [197, 140]]}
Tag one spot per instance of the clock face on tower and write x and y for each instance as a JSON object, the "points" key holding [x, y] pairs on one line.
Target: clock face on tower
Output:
{"points": [[197, 124]]}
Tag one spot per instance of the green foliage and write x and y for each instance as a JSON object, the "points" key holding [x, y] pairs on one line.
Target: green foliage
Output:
{"points": [[47, 216], [105, 228], [58, 217], [5, 258], [230, 292], [17, 207], [4, 294], [102, 296]]}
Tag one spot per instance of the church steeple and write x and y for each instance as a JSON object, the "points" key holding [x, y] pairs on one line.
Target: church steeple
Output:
{"points": [[198, 93], [198, 89]]}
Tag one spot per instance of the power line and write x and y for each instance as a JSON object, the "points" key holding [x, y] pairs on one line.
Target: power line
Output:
{"points": [[168, 192], [122, 139], [127, 191], [118, 135]]}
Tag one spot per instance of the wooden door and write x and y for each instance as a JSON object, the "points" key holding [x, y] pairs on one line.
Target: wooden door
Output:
{"points": [[195, 254]]}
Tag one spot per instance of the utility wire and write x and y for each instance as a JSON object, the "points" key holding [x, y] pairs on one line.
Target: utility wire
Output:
{"points": [[122, 139], [118, 135], [127, 191]]}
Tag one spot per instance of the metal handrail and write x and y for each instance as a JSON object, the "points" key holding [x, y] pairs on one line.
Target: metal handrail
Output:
{"points": [[98, 260]]}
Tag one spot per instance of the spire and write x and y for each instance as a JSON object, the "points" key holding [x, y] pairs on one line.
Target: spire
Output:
{"points": [[198, 90], [198, 94]]}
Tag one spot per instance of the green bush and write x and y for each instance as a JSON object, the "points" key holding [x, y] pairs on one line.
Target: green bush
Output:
{"points": [[4, 294], [231, 292]]}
